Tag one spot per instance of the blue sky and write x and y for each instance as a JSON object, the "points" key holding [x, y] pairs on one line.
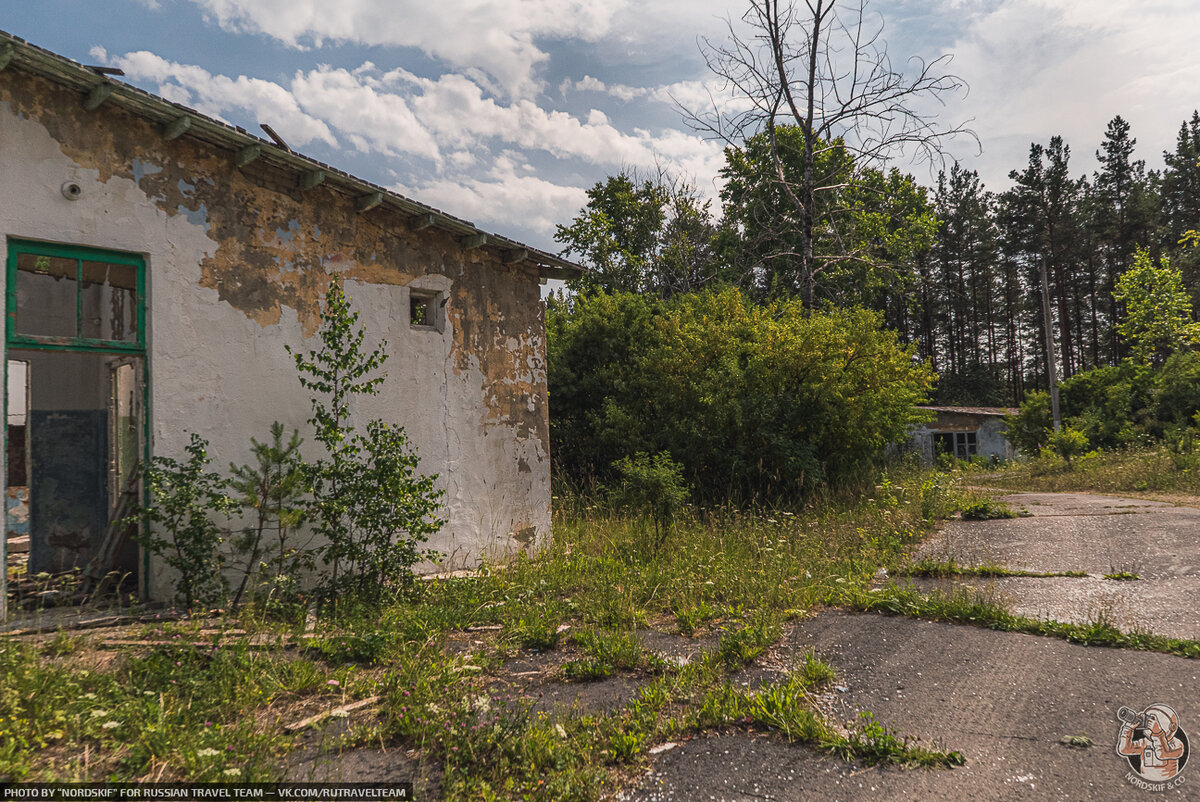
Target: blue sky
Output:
{"points": [[505, 111]]}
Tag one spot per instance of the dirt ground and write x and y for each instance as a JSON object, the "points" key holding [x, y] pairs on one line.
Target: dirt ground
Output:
{"points": [[1004, 700]]}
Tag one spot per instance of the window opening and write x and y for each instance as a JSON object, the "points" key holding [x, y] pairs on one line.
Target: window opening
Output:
{"points": [[75, 296], [425, 309], [75, 405], [962, 445]]}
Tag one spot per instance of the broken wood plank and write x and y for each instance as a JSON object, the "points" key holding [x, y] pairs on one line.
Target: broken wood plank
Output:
{"points": [[94, 623], [275, 137], [116, 535], [350, 708]]}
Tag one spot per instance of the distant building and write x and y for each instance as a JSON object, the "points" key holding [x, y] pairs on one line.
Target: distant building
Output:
{"points": [[964, 432]]}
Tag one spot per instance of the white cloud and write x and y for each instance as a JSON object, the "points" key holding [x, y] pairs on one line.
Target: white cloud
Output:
{"points": [[397, 111], [504, 197], [1039, 68], [497, 37], [215, 95], [695, 95], [377, 121]]}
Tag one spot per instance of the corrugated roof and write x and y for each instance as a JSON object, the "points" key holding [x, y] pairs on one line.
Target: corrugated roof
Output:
{"points": [[16, 52], [994, 411]]}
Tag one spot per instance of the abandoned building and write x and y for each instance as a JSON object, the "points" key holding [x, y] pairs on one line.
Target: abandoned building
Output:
{"points": [[964, 432], [158, 263]]}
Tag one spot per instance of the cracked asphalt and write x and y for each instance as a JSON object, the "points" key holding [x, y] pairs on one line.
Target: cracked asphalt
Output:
{"points": [[1005, 700]]}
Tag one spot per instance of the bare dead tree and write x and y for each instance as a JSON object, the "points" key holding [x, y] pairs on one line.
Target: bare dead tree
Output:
{"points": [[823, 67]]}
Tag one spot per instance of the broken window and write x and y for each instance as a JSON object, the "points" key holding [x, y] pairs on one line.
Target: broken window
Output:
{"points": [[962, 445], [75, 296], [425, 309], [75, 401]]}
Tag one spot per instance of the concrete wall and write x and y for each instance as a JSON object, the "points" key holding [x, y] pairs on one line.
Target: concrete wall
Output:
{"points": [[989, 430], [237, 263]]}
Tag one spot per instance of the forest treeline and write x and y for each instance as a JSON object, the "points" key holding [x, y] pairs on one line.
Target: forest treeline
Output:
{"points": [[953, 269]]}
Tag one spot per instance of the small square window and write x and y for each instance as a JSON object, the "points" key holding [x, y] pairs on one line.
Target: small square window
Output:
{"points": [[425, 310]]}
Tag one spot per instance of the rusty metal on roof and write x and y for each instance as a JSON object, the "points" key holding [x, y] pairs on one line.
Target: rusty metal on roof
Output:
{"points": [[16, 52]]}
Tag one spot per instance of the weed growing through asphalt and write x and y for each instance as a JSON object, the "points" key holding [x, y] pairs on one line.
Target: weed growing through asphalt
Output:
{"points": [[963, 607], [184, 704], [947, 569], [1077, 741], [988, 510]]}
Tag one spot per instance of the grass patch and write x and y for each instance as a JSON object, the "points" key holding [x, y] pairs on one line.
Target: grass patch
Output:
{"points": [[189, 703], [1155, 469], [947, 569], [784, 708], [1122, 576], [988, 510], [967, 608]]}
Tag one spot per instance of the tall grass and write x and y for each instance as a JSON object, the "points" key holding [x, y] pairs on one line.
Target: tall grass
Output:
{"points": [[1154, 469], [174, 710]]}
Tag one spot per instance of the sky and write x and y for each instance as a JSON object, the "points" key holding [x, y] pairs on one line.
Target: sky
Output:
{"points": [[504, 112]]}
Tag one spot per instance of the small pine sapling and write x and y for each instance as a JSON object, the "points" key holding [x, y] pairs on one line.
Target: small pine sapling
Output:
{"points": [[270, 491]]}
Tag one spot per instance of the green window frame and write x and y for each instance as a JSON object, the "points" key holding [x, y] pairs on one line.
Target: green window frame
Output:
{"points": [[80, 255]]}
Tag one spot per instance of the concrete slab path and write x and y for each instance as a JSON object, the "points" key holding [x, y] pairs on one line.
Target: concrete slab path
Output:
{"points": [[1004, 700]]}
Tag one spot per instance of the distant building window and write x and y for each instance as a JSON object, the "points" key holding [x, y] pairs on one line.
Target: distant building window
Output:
{"points": [[425, 310], [962, 445]]}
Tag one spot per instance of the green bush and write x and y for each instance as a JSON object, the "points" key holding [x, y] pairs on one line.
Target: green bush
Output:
{"points": [[1068, 443], [183, 497], [653, 488], [752, 401]]}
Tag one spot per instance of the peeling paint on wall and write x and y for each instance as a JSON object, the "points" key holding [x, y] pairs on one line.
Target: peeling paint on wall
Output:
{"points": [[238, 262]]}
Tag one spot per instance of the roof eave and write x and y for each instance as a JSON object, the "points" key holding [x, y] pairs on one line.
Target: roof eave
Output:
{"points": [[16, 52]]}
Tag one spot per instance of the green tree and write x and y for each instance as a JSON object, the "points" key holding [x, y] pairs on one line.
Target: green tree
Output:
{"points": [[641, 235], [1068, 443], [1158, 310], [1180, 186], [653, 487], [1121, 216], [271, 489], [868, 225], [752, 400], [368, 500], [822, 69], [964, 304]]}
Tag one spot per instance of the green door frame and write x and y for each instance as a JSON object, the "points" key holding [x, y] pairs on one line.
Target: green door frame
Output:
{"points": [[28, 342]]}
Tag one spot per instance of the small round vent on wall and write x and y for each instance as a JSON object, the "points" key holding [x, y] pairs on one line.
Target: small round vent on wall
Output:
{"points": [[71, 190]]}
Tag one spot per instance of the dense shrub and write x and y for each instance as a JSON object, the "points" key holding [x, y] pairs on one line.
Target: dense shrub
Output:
{"points": [[751, 400], [1117, 406]]}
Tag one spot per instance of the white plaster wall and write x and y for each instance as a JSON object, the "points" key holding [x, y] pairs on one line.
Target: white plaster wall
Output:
{"points": [[216, 372]]}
